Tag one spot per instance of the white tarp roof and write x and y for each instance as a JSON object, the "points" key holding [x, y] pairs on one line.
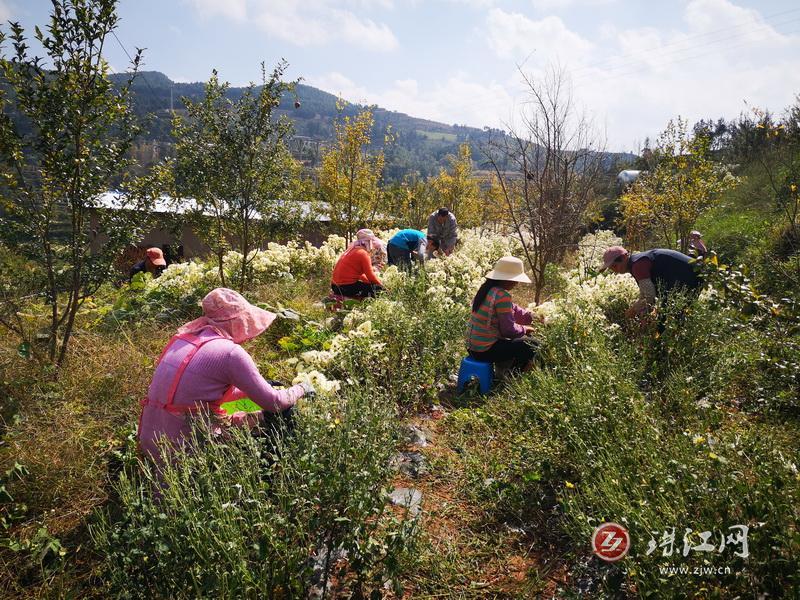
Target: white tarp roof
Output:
{"points": [[115, 200]]}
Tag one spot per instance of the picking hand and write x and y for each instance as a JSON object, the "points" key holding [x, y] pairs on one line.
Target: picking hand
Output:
{"points": [[308, 389]]}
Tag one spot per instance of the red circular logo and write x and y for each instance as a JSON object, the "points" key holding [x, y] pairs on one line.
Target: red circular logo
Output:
{"points": [[610, 542]]}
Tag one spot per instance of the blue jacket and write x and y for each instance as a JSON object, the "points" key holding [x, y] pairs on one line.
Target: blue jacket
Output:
{"points": [[407, 239]]}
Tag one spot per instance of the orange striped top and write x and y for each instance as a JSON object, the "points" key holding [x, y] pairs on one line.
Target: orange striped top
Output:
{"points": [[483, 329]]}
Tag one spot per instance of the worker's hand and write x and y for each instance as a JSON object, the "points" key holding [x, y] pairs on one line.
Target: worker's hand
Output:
{"points": [[308, 389], [529, 329], [247, 419]]}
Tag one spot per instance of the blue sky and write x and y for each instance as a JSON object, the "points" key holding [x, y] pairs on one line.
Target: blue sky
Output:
{"points": [[633, 64]]}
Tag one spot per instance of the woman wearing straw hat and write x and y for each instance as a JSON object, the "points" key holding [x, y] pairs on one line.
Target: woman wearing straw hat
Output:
{"points": [[203, 366], [497, 327]]}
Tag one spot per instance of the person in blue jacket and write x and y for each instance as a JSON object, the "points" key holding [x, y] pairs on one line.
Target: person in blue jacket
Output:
{"points": [[406, 245]]}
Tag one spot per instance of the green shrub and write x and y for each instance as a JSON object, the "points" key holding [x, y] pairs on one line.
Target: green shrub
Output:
{"points": [[594, 437], [245, 517], [414, 340]]}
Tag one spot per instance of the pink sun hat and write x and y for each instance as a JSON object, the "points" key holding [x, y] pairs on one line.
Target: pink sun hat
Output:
{"points": [[612, 254], [231, 314]]}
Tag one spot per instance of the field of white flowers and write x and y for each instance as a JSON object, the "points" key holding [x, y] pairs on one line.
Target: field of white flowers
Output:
{"points": [[683, 428]]}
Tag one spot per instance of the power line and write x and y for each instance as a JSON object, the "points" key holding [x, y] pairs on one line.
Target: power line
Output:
{"points": [[599, 64], [130, 58], [679, 51], [585, 80]]}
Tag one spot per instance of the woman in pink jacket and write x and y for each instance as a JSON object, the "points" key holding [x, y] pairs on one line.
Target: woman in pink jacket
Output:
{"points": [[202, 366]]}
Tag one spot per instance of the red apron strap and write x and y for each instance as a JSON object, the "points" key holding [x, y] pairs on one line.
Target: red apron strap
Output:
{"points": [[198, 343]]}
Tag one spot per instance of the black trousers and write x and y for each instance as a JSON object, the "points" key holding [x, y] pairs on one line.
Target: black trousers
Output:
{"points": [[359, 289], [520, 352]]}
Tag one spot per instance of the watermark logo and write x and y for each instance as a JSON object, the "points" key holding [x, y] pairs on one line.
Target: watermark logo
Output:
{"points": [[611, 542], [736, 538]]}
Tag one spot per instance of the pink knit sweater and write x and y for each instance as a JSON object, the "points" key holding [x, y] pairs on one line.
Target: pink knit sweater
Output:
{"points": [[217, 365]]}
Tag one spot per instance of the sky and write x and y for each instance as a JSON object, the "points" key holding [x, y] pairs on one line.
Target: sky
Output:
{"points": [[632, 64]]}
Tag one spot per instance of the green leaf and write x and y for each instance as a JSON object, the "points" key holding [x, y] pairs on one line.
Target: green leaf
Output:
{"points": [[24, 350]]}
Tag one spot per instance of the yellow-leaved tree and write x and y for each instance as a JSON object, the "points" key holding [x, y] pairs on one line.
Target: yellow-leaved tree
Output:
{"points": [[663, 204], [350, 175], [457, 189], [412, 201]]}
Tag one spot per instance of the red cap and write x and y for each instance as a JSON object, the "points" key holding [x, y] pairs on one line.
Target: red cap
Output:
{"points": [[612, 254], [156, 257]]}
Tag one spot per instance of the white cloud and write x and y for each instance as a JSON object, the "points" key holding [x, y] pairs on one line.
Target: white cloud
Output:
{"points": [[723, 56], [515, 36], [474, 3], [364, 32], [456, 98], [235, 10], [308, 23], [712, 15], [6, 11], [556, 5]]}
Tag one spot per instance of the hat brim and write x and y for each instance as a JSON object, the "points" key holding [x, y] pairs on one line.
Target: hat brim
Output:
{"points": [[252, 323], [159, 262], [500, 276]]}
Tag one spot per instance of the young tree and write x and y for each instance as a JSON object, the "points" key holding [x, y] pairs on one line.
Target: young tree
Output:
{"points": [[557, 158], [411, 201], [65, 133], [494, 214], [685, 182], [458, 189], [778, 154], [232, 159], [350, 176]]}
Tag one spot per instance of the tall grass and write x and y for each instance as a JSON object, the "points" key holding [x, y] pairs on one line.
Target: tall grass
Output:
{"points": [[245, 517], [596, 437]]}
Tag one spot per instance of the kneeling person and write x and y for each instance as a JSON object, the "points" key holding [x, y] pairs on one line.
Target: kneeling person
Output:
{"points": [[353, 275], [405, 246], [658, 273]]}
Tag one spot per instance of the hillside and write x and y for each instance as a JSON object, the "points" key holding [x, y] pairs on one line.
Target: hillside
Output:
{"points": [[421, 145]]}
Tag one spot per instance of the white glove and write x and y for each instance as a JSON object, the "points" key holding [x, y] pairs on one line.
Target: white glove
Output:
{"points": [[308, 389]]}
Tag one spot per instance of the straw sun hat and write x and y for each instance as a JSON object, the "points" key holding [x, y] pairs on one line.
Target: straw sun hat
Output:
{"points": [[508, 268]]}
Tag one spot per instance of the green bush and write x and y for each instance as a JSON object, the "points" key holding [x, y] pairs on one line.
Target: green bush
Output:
{"points": [[245, 517], [594, 437], [416, 340]]}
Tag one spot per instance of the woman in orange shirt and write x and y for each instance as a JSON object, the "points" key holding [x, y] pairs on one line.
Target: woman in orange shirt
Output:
{"points": [[353, 275]]}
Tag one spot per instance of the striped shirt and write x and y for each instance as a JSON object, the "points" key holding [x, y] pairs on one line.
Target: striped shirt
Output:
{"points": [[483, 329]]}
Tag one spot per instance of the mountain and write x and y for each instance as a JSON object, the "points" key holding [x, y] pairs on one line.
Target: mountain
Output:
{"points": [[421, 145]]}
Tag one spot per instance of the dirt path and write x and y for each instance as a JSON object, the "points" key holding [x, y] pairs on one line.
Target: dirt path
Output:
{"points": [[463, 553]]}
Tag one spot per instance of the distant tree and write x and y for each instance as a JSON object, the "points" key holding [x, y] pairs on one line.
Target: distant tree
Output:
{"points": [[665, 202], [494, 213], [553, 161], [458, 189], [231, 159], [412, 201], [350, 176], [778, 154], [65, 133]]}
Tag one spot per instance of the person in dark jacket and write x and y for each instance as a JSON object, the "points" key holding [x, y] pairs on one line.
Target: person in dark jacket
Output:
{"points": [[657, 272], [153, 263], [442, 232]]}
